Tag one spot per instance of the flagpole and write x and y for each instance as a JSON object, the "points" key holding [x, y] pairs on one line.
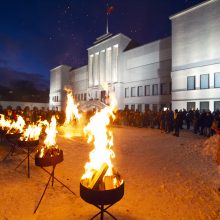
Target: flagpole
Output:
{"points": [[107, 18], [107, 23]]}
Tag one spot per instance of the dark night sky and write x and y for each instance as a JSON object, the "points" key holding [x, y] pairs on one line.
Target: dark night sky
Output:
{"points": [[37, 35]]}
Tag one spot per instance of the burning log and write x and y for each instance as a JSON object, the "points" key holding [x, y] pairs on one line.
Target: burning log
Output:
{"points": [[98, 177]]}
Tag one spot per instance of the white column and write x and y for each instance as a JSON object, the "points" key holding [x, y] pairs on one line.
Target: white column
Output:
{"points": [[96, 69], [91, 70], [108, 64], [115, 63], [102, 66]]}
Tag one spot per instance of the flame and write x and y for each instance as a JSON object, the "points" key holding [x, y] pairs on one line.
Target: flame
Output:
{"points": [[4, 123], [50, 140], [72, 111], [32, 132], [51, 132], [17, 126], [99, 133]]}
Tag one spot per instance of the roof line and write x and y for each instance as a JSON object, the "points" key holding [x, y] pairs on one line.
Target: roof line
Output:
{"points": [[191, 9]]}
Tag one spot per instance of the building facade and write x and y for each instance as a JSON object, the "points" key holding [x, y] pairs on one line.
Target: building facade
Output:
{"points": [[196, 57], [138, 75], [141, 76]]}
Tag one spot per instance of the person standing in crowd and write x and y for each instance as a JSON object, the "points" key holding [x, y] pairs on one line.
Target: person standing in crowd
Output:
{"points": [[176, 120]]}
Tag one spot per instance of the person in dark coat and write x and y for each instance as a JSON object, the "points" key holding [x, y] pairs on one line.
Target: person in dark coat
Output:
{"points": [[176, 120]]}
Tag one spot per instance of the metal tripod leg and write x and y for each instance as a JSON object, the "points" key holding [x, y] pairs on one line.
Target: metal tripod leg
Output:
{"points": [[51, 176]]}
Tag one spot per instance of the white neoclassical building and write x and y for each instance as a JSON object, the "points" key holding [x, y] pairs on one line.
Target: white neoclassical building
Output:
{"points": [[138, 75], [141, 76]]}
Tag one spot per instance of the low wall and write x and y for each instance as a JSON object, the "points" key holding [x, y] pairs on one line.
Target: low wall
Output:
{"points": [[31, 105]]}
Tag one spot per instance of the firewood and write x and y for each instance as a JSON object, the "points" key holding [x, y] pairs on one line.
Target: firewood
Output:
{"points": [[109, 182], [98, 176]]}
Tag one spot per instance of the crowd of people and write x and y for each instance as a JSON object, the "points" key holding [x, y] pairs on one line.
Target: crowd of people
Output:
{"points": [[204, 123]]}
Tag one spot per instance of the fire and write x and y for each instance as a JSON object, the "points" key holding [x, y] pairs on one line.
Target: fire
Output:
{"points": [[32, 132], [17, 126], [50, 140], [72, 111], [98, 132], [4, 123]]}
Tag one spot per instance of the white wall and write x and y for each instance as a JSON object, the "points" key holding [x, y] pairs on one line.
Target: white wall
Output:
{"points": [[195, 51]]}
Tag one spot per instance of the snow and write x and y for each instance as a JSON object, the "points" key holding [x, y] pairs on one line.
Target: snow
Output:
{"points": [[166, 177]]}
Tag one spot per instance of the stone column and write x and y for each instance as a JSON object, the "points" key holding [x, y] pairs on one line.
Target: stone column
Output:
{"points": [[91, 57], [102, 66], [115, 63], [96, 69], [108, 64]]}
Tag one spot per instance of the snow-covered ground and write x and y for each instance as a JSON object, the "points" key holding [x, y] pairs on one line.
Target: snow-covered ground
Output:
{"points": [[166, 177]]}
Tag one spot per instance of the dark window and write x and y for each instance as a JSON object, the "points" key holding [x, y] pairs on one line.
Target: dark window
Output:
{"points": [[217, 105], [133, 91], [155, 89], [126, 92], [190, 82], [164, 89], [82, 96], [85, 96], [191, 106], [133, 107], [147, 107], [217, 80], [147, 90], [204, 106], [204, 81], [140, 107], [155, 107], [140, 90]]}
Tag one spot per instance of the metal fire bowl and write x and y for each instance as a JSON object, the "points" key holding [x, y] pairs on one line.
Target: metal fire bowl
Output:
{"points": [[28, 143], [3, 131], [49, 161], [13, 137], [98, 197]]}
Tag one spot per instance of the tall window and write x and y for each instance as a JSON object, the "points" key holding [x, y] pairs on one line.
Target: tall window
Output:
{"points": [[155, 89], [133, 91], [126, 92], [84, 96], [140, 90], [204, 106], [78, 97], [204, 81], [191, 82], [164, 90], [217, 80], [147, 90]]}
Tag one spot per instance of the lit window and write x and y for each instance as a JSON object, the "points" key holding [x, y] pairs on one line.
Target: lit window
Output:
{"points": [[204, 81], [190, 82]]}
